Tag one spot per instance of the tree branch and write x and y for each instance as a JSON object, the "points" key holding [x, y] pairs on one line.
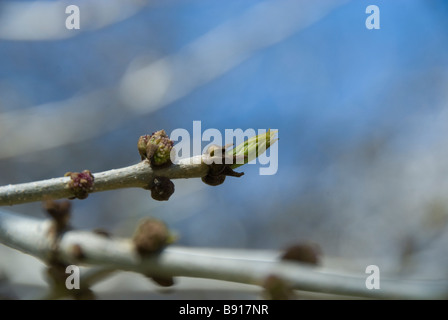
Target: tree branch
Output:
{"points": [[32, 236], [135, 176]]}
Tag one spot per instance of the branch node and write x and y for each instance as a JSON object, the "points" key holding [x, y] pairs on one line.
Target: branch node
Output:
{"points": [[219, 164], [81, 183]]}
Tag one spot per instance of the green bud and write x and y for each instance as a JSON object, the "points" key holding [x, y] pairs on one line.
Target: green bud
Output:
{"points": [[158, 148], [252, 148]]}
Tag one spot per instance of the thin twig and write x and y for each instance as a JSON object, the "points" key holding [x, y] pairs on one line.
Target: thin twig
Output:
{"points": [[135, 176], [31, 236]]}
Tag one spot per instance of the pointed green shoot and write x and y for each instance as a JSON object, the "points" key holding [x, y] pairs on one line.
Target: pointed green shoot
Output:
{"points": [[252, 148]]}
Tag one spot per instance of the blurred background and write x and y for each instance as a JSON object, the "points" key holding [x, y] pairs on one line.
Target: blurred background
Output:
{"points": [[362, 118]]}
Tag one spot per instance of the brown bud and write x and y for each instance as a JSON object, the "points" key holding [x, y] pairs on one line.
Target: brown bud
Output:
{"points": [[277, 289], [213, 180], [162, 188], [141, 145], [163, 281], [101, 232], [219, 166], [151, 236], [304, 252]]}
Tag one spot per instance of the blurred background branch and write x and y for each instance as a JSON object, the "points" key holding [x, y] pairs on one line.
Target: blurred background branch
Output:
{"points": [[32, 236]]}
